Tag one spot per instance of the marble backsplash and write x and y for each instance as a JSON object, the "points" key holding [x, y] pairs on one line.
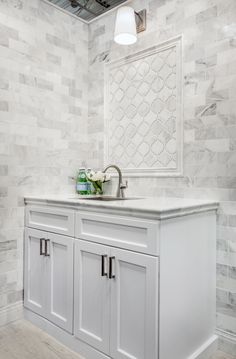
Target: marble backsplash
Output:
{"points": [[209, 151], [143, 111]]}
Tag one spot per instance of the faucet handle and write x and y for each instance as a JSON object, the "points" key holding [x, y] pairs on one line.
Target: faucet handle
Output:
{"points": [[124, 185]]}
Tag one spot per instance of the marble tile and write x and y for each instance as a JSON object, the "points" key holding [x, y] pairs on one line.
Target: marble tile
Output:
{"points": [[208, 29], [143, 123], [52, 116], [43, 100], [221, 355], [227, 346], [23, 340]]}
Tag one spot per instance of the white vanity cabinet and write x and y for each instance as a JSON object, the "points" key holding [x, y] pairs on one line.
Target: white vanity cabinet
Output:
{"points": [[134, 306], [34, 272], [116, 300], [123, 280], [92, 297], [48, 276]]}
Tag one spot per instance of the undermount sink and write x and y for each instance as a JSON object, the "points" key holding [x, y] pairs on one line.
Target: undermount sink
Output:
{"points": [[106, 198]]}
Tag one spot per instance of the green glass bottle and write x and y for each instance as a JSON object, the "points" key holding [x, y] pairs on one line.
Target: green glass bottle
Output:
{"points": [[89, 183], [82, 182]]}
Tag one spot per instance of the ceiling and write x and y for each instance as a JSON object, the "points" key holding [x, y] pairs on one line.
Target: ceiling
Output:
{"points": [[87, 9]]}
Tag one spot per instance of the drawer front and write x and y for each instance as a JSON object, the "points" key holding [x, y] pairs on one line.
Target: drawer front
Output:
{"points": [[129, 233], [51, 219]]}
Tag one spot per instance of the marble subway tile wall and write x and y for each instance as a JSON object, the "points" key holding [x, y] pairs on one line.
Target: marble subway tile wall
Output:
{"points": [[43, 119], [209, 66]]}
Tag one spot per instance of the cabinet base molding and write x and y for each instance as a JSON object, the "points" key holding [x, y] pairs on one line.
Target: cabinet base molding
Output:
{"points": [[63, 337], [11, 313], [207, 349], [88, 352]]}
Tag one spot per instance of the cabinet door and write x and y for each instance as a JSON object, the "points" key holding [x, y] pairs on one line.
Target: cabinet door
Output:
{"points": [[91, 287], [59, 257], [34, 271], [134, 305]]}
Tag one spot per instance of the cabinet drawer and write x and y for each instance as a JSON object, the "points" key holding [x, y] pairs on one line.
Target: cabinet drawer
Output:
{"points": [[51, 219], [124, 232]]}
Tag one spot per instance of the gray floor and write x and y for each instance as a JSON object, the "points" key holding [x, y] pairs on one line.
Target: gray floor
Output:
{"points": [[22, 340], [220, 355]]}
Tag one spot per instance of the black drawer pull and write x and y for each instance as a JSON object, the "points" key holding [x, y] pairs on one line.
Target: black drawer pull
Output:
{"points": [[47, 254], [111, 274], [103, 272], [41, 246]]}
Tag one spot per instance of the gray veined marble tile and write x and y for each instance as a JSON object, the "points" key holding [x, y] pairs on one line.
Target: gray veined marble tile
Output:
{"points": [[4, 106], [34, 106], [56, 41], [38, 344], [56, 60], [206, 15]]}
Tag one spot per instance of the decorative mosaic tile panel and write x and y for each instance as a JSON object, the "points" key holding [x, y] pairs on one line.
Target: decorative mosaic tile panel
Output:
{"points": [[143, 115]]}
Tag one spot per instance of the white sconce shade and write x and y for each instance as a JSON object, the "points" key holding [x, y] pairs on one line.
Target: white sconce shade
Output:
{"points": [[125, 28]]}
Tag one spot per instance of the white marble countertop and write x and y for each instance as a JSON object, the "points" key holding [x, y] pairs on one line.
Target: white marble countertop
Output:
{"points": [[150, 207]]}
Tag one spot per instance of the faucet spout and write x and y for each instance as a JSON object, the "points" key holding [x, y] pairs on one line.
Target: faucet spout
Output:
{"points": [[121, 186]]}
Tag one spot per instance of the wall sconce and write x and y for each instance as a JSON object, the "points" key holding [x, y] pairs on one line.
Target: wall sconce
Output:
{"points": [[128, 24]]}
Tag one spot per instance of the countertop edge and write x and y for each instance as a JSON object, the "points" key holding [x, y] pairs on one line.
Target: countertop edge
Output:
{"points": [[153, 214]]}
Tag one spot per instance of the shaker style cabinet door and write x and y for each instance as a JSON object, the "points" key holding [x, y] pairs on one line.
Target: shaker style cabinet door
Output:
{"points": [[134, 305], [59, 272], [34, 271], [91, 286]]}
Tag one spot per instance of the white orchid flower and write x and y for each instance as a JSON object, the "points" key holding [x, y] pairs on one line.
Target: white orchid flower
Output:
{"points": [[98, 176]]}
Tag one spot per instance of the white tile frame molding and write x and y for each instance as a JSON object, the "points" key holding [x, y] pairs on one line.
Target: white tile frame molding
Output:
{"points": [[119, 129]]}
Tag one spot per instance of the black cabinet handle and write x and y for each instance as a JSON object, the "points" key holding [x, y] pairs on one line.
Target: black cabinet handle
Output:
{"points": [[111, 274], [103, 272], [41, 246], [47, 254]]}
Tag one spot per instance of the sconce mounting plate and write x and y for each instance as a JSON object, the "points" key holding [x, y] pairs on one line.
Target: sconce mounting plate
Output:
{"points": [[141, 21]]}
